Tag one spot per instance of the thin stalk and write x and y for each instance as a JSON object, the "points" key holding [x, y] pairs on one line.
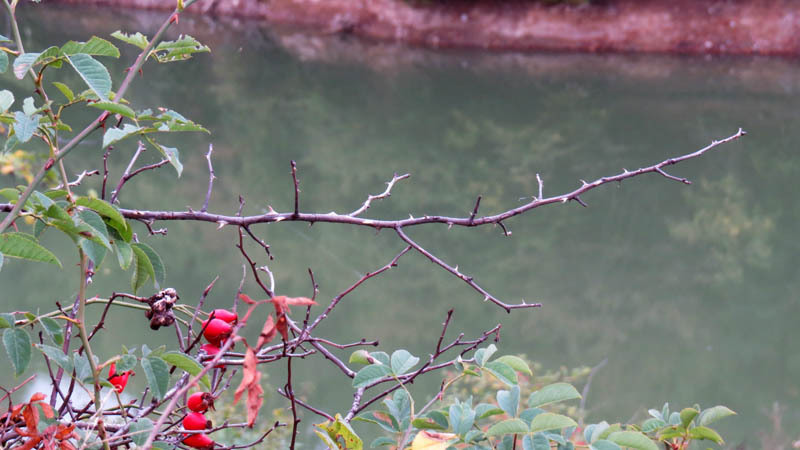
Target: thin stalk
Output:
{"points": [[98, 402]]}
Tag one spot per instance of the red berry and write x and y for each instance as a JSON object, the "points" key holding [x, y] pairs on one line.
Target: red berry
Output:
{"points": [[200, 441], [216, 331], [118, 381], [196, 421], [200, 402], [212, 350], [225, 315]]}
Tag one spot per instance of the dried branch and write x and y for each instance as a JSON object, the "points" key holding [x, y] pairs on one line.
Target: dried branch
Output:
{"points": [[386, 193], [81, 176], [211, 178]]}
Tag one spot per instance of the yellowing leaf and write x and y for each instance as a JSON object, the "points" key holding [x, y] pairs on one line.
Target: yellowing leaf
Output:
{"points": [[429, 440]]}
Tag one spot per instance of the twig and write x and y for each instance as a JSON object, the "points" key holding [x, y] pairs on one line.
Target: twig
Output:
{"points": [[475, 210], [296, 190], [81, 176], [211, 178], [386, 193]]}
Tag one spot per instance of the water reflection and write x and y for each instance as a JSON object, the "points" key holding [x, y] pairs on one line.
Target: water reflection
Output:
{"points": [[690, 292]]}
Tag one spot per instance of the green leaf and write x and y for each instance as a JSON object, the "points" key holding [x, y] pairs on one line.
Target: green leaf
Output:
{"points": [[687, 415], [509, 400], [53, 330], [632, 439], [426, 423], [138, 39], [556, 392], [25, 126], [510, 426], [705, 433], [3, 62], [337, 431], [359, 357], [381, 441], [157, 373], [171, 154], [103, 208], [93, 73], [485, 410], [57, 356], [28, 107], [462, 416], [179, 50], [370, 374], [712, 415], [7, 320], [380, 358], [95, 46], [604, 445], [652, 424], [482, 355], [186, 364], [115, 108], [502, 372], [83, 371], [65, 90], [18, 346], [96, 224], [550, 421], [516, 363], [536, 441], [124, 254], [159, 272], [126, 363], [403, 361], [141, 270], [114, 135], [24, 62], [140, 430], [6, 100], [20, 245], [380, 418]]}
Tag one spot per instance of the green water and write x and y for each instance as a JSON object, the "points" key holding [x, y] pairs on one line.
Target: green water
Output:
{"points": [[690, 292]]}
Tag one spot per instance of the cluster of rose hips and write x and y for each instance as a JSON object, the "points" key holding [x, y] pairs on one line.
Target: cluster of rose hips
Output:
{"points": [[198, 403], [217, 329]]}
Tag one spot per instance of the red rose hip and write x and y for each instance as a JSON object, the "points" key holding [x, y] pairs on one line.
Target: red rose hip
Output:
{"points": [[199, 441], [225, 315], [216, 331], [200, 402], [196, 421]]}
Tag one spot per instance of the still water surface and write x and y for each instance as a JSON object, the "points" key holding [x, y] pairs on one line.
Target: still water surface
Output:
{"points": [[690, 292]]}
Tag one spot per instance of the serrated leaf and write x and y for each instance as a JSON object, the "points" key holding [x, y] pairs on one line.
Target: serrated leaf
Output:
{"points": [[705, 433], [126, 363], [142, 269], [140, 430], [403, 361], [65, 90], [53, 330], [25, 126], [7, 320], [20, 245], [93, 73], [687, 415], [98, 230], [380, 418], [535, 442], [556, 392], [370, 374], [115, 108], [114, 135], [516, 363], [6, 100], [714, 414], [427, 423], [18, 347], [103, 208], [510, 426], [509, 400], [57, 356], [124, 254], [157, 373], [83, 371], [502, 372], [339, 431], [23, 63], [632, 439], [550, 421], [95, 46], [178, 50], [172, 155], [138, 39], [461, 416], [485, 410], [159, 272], [186, 364]]}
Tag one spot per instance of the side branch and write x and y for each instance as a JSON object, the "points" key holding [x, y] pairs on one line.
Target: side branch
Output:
{"points": [[381, 196]]}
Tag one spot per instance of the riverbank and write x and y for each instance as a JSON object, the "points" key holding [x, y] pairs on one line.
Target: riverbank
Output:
{"points": [[767, 27]]}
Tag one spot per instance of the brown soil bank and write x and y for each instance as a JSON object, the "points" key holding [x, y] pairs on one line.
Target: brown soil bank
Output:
{"points": [[678, 26]]}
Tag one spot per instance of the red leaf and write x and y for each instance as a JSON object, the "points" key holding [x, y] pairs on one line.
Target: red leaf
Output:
{"points": [[300, 301], [31, 416], [47, 410], [37, 397], [245, 298], [267, 333], [251, 378], [283, 327]]}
